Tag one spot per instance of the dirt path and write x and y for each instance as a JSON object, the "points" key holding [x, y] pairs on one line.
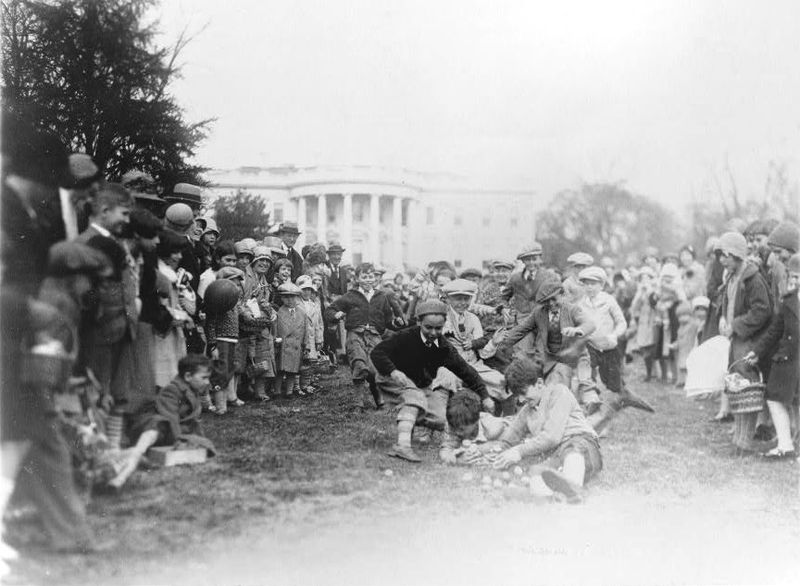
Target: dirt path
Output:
{"points": [[720, 537]]}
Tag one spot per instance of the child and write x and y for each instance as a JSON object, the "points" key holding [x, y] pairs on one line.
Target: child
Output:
{"points": [[367, 313], [310, 304], [173, 416], [551, 424], [259, 317], [686, 340], [222, 332], [283, 272], [643, 313], [463, 329], [610, 325], [292, 338], [669, 296], [466, 425], [244, 253]]}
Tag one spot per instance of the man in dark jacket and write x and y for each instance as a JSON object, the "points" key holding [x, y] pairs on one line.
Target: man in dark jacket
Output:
{"points": [[288, 232], [407, 366]]}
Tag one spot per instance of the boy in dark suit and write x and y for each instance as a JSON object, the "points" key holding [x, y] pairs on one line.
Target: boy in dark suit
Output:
{"points": [[407, 365]]}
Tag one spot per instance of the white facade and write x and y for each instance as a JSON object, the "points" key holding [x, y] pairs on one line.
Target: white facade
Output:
{"points": [[393, 217]]}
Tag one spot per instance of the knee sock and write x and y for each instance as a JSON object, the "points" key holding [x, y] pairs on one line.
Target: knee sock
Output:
{"points": [[574, 468], [648, 366], [406, 419], [783, 426]]}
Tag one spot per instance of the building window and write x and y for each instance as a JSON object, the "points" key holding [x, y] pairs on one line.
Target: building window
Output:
{"points": [[457, 263], [358, 209], [486, 221], [429, 216], [458, 220], [277, 213], [514, 222]]}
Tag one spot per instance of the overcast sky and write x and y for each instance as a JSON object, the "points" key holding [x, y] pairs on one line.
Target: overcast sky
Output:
{"points": [[535, 95]]}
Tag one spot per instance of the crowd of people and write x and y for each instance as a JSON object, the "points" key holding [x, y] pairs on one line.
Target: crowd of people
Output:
{"points": [[144, 310]]}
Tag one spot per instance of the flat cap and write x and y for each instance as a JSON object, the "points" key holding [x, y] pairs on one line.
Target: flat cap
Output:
{"points": [[533, 249], [592, 274], [431, 307], [460, 287], [581, 259]]}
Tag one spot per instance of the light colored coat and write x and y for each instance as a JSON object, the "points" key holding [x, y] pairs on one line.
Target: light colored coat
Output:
{"points": [[608, 319], [295, 333]]}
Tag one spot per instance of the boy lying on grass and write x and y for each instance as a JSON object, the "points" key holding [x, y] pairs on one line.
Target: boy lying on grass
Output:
{"points": [[550, 425], [466, 427]]}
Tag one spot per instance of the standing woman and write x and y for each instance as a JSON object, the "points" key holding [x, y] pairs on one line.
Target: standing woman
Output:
{"points": [[176, 295], [258, 319], [745, 313], [780, 345]]}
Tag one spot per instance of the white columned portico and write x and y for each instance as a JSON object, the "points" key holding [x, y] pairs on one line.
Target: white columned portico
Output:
{"points": [[301, 222], [322, 219], [347, 227], [397, 233], [374, 229]]}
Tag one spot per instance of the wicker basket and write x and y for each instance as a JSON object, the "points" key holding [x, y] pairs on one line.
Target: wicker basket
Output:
{"points": [[744, 395]]}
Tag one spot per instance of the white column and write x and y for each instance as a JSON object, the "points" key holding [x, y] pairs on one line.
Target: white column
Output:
{"points": [[397, 233], [374, 229], [301, 222], [322, 219], [347, 227], [415, 229]]}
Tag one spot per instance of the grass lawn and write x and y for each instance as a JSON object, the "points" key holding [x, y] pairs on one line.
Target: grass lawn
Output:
{"points": [[302, 493]]}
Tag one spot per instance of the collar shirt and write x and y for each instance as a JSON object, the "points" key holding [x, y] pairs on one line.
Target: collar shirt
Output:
{"points": [[101, 230], [368, 294], [426, 342]]}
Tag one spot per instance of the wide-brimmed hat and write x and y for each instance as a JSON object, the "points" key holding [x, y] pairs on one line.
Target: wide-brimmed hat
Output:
{"points": [[288, 289], [733, 243], [335, 247], [261, 252], [785, 235], [243, 247], [186, 193], [305, 282], [288, 228], [211, 226]]}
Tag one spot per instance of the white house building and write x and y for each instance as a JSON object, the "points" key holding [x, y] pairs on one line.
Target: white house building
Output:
{"points": [[394, 217]]}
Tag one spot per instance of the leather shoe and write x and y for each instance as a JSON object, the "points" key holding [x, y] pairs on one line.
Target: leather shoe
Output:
{"points": [[404, 453], [559, 483], [628, 398]]}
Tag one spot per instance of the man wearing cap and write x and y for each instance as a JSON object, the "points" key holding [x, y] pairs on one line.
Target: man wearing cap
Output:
{"points": [[407, 365], [573, 290], [520, 291], [337, 282], [187, 194], [288, 233]]}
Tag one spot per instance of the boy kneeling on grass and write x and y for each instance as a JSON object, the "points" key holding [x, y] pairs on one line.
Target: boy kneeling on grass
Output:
{"points": [[407, 365], [551, 424], [173, 416]]}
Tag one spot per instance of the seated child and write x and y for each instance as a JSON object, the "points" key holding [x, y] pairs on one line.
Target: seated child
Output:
{"points": [[552, 425], [467, 425], [173, 416]]}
